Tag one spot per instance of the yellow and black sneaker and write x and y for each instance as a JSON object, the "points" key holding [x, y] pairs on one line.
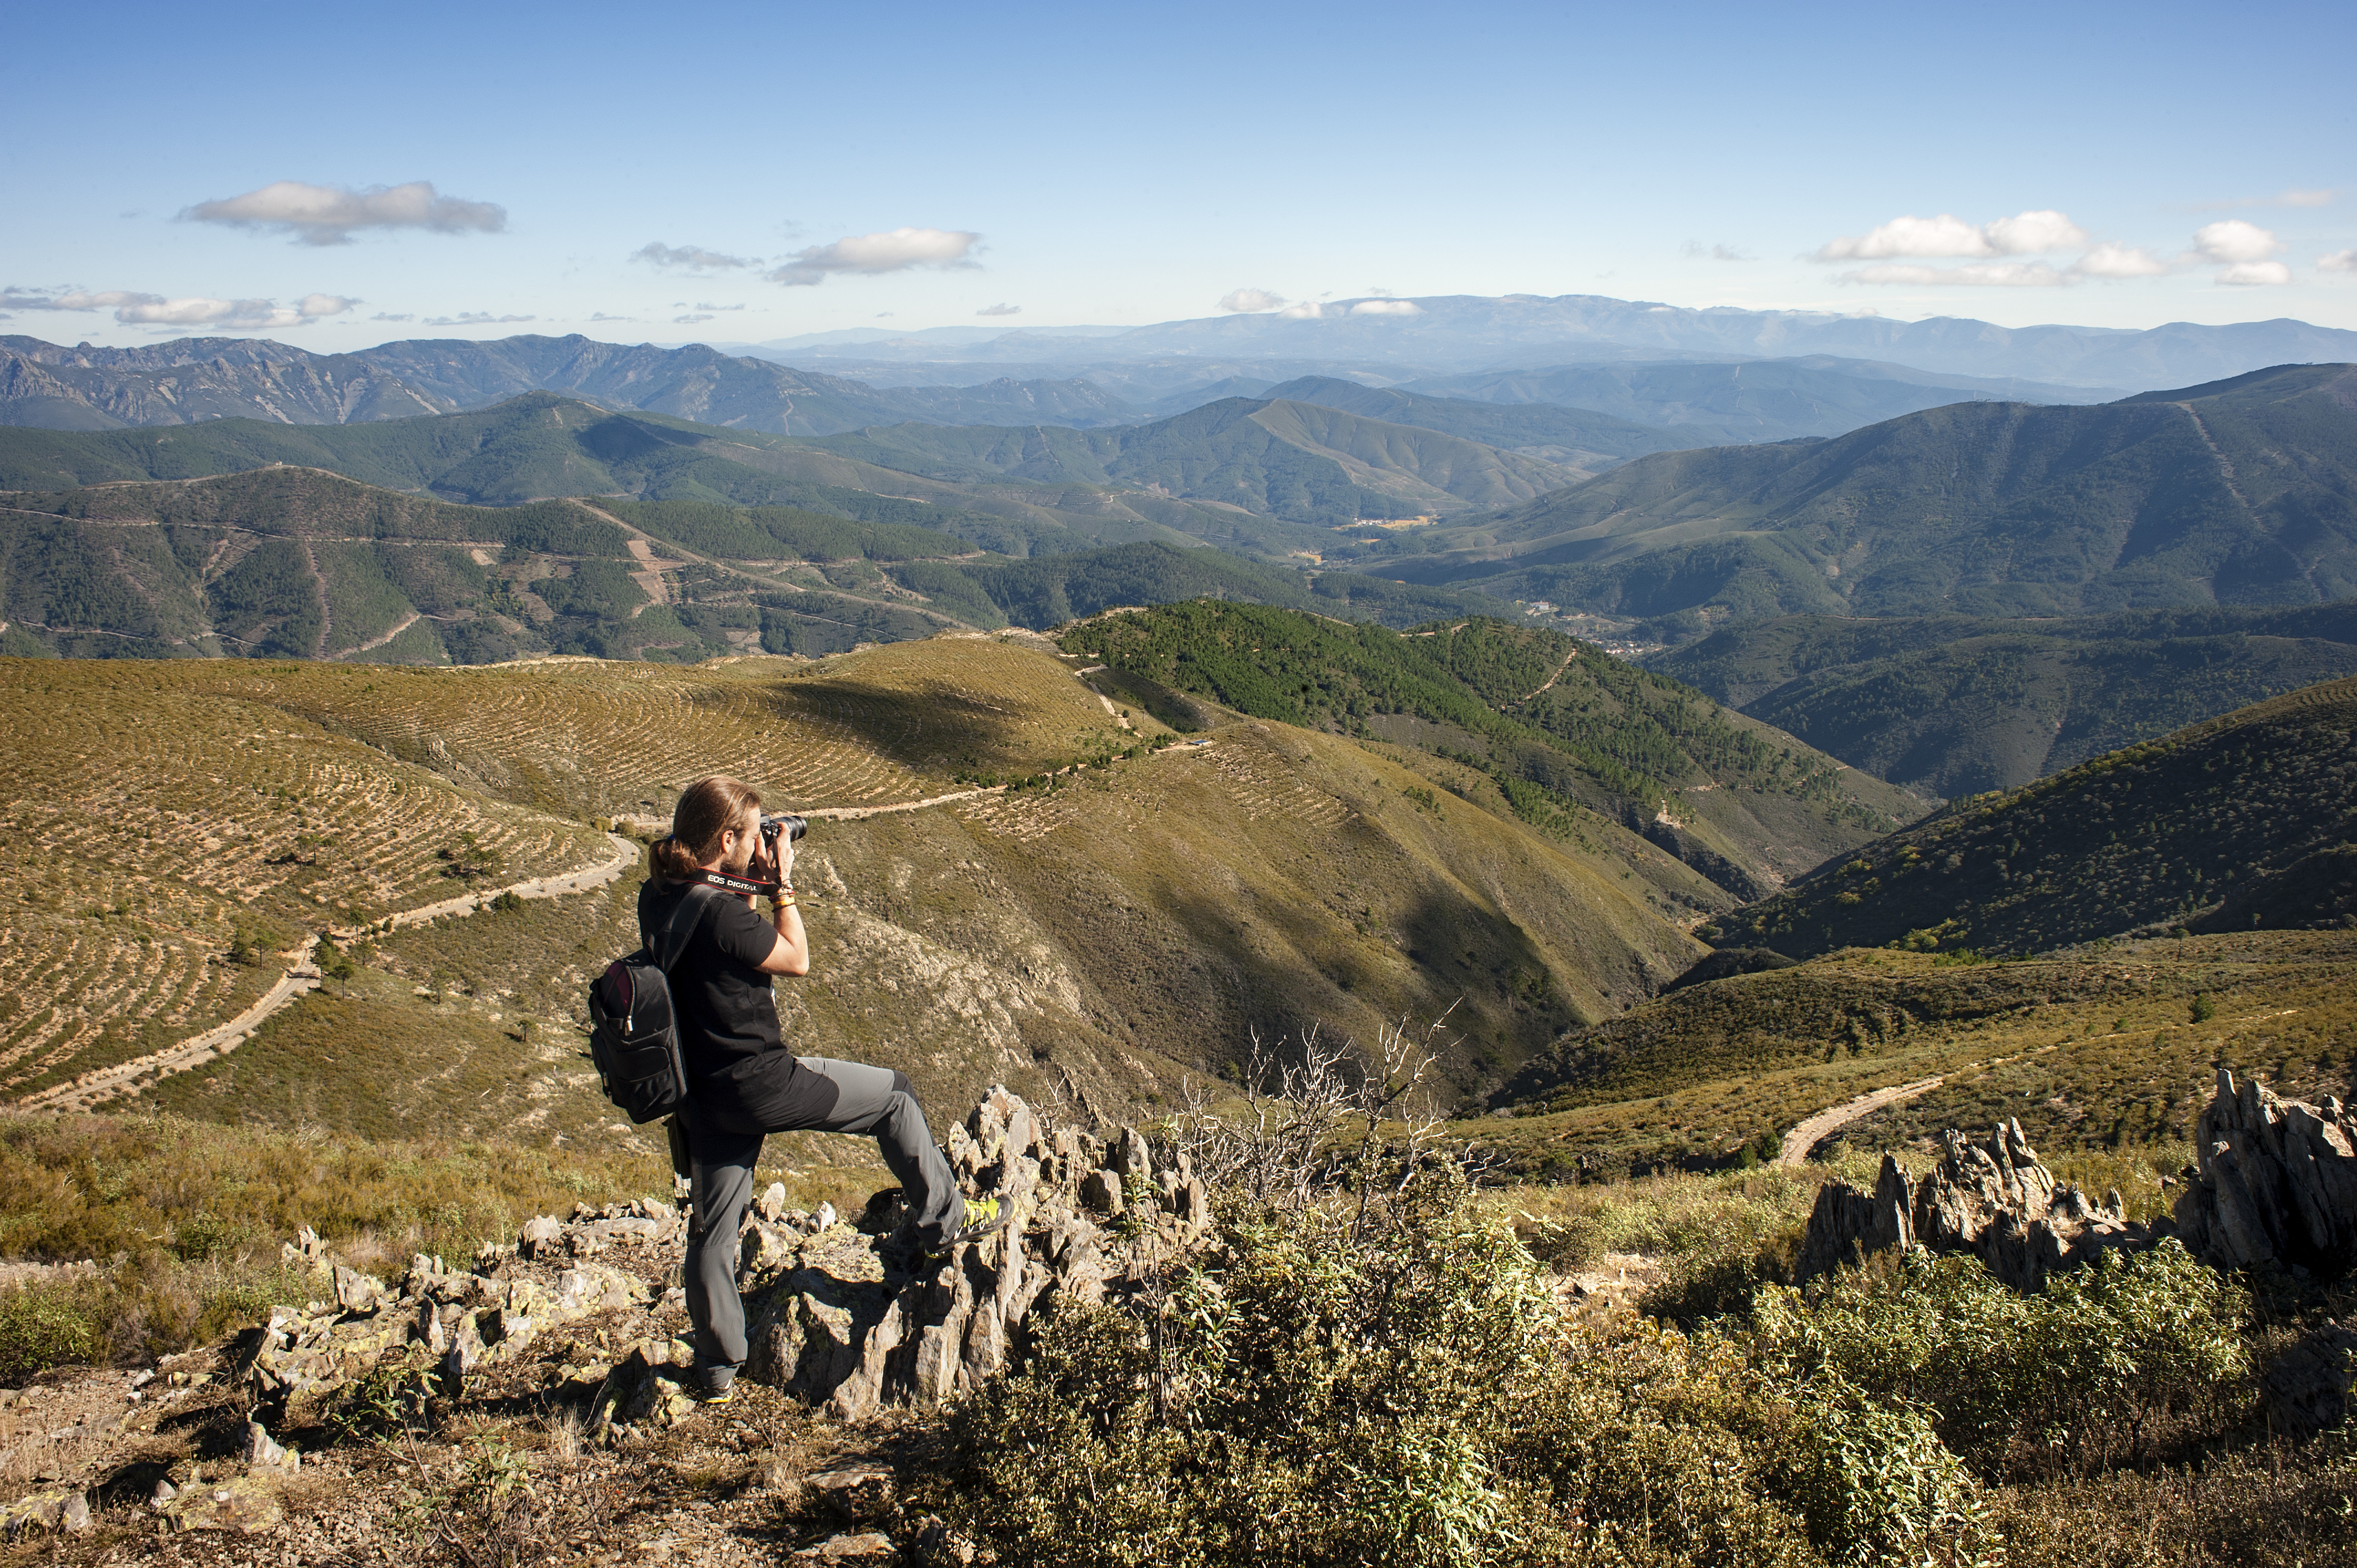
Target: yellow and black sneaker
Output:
{"points": [[713, 1384], [983, 1218]]}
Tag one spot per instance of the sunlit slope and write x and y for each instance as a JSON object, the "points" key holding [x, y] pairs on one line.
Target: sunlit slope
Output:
{"points": [[2107, 1053], [1092, 939], [171, 827]]}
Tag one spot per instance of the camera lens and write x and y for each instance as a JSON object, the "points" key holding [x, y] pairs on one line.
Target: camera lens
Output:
{"points": [[791, 827]]}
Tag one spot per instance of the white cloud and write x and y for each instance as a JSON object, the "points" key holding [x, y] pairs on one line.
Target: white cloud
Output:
{"points": [[702, 305], [1000, 310], [2109, 260], [695, 258], [135, 309], [2254, 274], [382, 315], [1307, 310], [327, 214], [1714, 252], [688, 320], [1948, 236], [474, 318], [2337, 262], [2232, 240], [1387, 307], [895, 249], [1984, 275], [602, 315], [1244, 299]]}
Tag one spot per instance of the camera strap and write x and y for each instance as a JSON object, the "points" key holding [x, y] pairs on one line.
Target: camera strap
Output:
{"points": [[739, 885]]}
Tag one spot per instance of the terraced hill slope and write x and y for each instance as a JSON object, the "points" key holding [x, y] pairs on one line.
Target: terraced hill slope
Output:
{"points": [[285, 561], [1094, 934], [2244, 821], [1547, 723], [1953, 705], [2240, 492]]}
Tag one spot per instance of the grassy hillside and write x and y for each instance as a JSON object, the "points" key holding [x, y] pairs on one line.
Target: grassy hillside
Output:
{"points": [[2240, 493], [1564, 730], [2237, 823], [1090, 934], [2103, 1057], [1576, 439], [1952, 705]]}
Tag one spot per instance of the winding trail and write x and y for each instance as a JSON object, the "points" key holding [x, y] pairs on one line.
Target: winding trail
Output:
{"points": [[1825, 1123], [124, 1080]]}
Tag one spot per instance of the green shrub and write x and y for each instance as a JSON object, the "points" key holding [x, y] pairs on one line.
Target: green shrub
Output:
{"points": [[43, 1326], [2091, 1371]]}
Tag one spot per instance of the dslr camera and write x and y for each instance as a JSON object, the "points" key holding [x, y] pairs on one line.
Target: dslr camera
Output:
{"points": [[790, 828]]}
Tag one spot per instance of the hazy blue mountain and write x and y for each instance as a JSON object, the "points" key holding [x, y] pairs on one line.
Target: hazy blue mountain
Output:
{"points": [[1748, 401], [1465, 332], [2240, 492], [1575, 438], [1952, 705]]}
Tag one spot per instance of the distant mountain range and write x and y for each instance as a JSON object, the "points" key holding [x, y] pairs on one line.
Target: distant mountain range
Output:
{"points": [[2240, 492], [1451, 333], [199, 379]]}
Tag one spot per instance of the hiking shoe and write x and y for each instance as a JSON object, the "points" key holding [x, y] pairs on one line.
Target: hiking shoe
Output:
{"points": [[983, 1217], [714, 1385]]}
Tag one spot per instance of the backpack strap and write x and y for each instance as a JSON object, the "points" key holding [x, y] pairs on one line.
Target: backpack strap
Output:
{"points": [[672, 939]]}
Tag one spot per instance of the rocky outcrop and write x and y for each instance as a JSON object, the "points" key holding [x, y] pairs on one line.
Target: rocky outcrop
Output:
{"points": [[2276, 1183], [843, 1320], [1994, 1200]]}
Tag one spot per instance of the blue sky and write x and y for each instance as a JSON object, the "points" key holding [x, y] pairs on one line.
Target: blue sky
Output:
{"points": [[1114, 163]]}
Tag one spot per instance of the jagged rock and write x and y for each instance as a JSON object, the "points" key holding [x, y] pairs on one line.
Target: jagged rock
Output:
{"points": [[261, 1449], [844, 1322], [357, 1292], [645, 1392], [1993, 1199], [45, 1513], [541, 1231], [2278, 1181], [859, 1495], [772, 1205], [939, 1546]]}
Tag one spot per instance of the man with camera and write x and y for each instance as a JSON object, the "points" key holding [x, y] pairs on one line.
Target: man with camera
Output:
{"points": [[742, 1083]]}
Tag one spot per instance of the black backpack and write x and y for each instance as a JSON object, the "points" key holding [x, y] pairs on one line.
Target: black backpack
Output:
{"points": [[633, 1032]]}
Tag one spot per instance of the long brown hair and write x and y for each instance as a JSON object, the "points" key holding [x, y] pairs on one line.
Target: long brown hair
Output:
{"points": [[707, 808]]}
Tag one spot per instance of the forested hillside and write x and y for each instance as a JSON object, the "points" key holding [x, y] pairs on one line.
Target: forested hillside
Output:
{"points": [[1953, 704], [2243, 493], [1556, 726], [2243, 822]]}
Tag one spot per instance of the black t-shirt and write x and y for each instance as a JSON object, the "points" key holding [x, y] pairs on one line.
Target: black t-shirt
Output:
{"points": [[727, 1016]]}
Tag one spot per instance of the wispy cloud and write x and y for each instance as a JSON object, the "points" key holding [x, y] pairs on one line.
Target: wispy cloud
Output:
{"points": [[1307, 310], [136, 310], [2325, 197], [382, 315], [893, 251], [1695, 248], [1250, 299], [2337, 262], [1949, 237], [695, 258], [602, 315], [474, 318], [690, 320], [1000, 310], [702, 305], [1387, 307], [330, 214]]}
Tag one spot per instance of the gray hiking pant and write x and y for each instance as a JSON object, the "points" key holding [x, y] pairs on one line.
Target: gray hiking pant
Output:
{"points": [[867, 1100]]}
